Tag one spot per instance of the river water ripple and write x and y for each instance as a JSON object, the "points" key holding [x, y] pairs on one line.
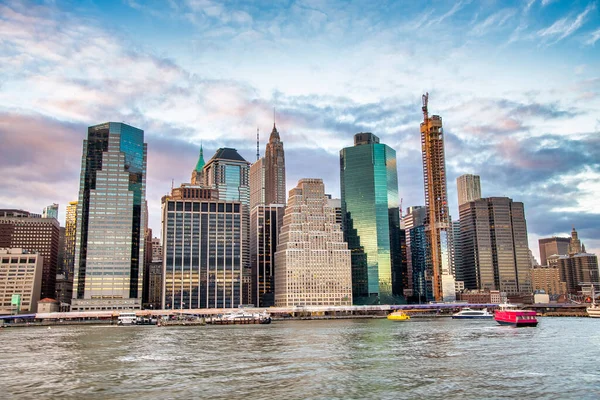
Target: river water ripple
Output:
{"points": [[342, 359]]}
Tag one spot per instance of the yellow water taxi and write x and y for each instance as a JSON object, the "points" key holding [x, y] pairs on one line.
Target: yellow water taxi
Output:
{"points": [[398, 316]]}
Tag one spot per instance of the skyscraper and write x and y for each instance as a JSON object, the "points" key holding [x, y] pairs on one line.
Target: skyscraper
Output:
{"points": [[203, 249], [32, 233], [109, 249], [69, 245], [312, 262], [438, 222], [274, 170], [370, 210], [419, 283], [574, 243], [551, 246], [495, 250], [468, 187], [50, 211], [257, 183]]}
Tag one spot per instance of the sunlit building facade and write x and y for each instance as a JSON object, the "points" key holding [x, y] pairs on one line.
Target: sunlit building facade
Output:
{"points": [[468, 187], [70, 237], [371, 215], [50, 211], [552, 246], [20, 274], [111, 217], [312, 262]]}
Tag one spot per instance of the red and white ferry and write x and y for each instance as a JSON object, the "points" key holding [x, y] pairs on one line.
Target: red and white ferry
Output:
{"points": [[509, 314]]}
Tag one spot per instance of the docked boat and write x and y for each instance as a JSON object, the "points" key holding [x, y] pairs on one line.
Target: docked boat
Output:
{"points": [[398, 316], [509, 314], [594, 309], [242, 317], [127, 318], [468, 313]]}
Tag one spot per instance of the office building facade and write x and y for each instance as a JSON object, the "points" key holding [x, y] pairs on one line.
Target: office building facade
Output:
{"points": [[312, 262], [20, 275], [495, 252], [50, 211], [111, 217], [371, 219], [551, 246]]}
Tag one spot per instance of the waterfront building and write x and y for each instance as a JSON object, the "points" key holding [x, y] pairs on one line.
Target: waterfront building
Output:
{"points": [[274, 165], [64, 290], [48, 305], [551, 246], [438, 224], [203, 249], [547, 279], [457, 267], [495, 252], [33, 233], [111, 217], [312, 262], [480, 296], [50, 211], [371, 219], [69, 243], [468, 187], [20, 275], [8, 212], [265, 225]]}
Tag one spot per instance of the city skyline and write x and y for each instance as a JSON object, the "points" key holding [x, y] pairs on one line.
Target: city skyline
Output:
{"points": [[183, 76]]}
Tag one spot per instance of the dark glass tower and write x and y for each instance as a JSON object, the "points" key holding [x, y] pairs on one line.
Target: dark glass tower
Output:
{"points": [[370, 210], [110, 219]]}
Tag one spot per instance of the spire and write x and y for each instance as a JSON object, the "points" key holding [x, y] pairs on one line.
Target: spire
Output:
{"points": [[200, 163], [274, 133]]}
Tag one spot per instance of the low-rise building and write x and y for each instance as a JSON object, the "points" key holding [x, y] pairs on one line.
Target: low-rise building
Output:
{"points": [[20, 278]]}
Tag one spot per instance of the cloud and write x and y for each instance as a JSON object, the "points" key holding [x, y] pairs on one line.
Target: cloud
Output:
{"points": [[493, 22], [594, 36], [566, 26]]}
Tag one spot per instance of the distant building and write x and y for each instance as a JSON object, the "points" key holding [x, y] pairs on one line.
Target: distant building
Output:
{"points": [[64, 290], [575, 246], [50, 211], [202, 249], [494, 245], [336, 204], [111, 217], [34, 234], [419, 283], [551, 246], [68, 267], [48, 305], [198, 172], [18, 213], [26, 265], [257, 183], [547, 279], [274, 170], [468, 187], [371, 216], [312, 262], [577, 270]]}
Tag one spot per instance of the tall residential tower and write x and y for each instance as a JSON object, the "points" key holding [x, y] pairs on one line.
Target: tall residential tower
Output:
{"points": [[438, 228]]}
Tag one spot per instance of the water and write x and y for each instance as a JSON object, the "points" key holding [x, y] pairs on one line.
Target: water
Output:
{"points": [[359, 359]]}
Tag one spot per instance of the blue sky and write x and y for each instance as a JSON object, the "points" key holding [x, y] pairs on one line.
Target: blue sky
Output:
{"points": [[516, 83]]}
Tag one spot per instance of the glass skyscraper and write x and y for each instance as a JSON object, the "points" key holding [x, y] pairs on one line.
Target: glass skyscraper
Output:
{"points": [[370, 211], [111, 217]]}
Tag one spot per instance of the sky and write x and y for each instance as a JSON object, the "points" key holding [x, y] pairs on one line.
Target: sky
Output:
{"points": [[517, 84]]}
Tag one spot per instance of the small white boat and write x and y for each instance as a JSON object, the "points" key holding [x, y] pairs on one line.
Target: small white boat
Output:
{"points": [[468, 313], [127, 318]]}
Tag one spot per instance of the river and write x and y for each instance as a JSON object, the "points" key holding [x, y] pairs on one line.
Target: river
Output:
{"points": [[436, 358]]}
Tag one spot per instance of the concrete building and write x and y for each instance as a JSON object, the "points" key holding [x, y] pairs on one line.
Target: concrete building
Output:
{"points": [[257, 183], [371, 220], [438, 224], [202, 249], [48, 305], [111, 218], [64, 290], [312, 262], [468, 187], [575, 245], [494, 245], [551, 246], [21, 275], [34, 234], [265, 226], [547, 279]]}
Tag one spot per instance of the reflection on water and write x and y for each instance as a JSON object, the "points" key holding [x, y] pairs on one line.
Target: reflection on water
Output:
{"points": [[423, 358]]}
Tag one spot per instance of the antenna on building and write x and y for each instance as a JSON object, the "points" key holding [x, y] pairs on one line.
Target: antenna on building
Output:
{"points": [[273, 116], [257, 145], [172, 183]]}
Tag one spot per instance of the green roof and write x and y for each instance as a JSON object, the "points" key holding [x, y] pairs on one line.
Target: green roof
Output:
{"points": [[200, 163]]}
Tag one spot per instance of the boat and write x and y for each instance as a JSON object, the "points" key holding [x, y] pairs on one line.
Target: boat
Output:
{"points": [[509, 314], [468, 313], [398, 316], [594, 309], [127, 318], [242, 317]]}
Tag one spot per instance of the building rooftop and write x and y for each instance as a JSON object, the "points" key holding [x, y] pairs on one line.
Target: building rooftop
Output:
{"points": [[227, 153]]}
